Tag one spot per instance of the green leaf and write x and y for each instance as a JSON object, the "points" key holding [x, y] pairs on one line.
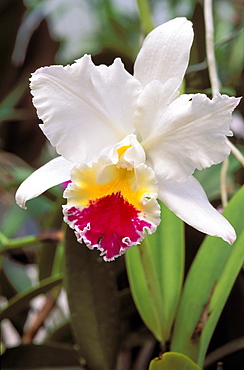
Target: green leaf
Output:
{"points": [[145, 15], [14, 218], [208, 285], [220, 294], [21, 300], [155, 271], [7, 290], [61, 333], [17, 274], [145, 288], [173, 361], [31, 356], [50, 249], [46, 256], [92, 296], [7, 110]]}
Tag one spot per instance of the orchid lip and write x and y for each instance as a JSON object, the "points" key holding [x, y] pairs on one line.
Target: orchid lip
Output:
{"points": [[112, 206], [109, 224]]}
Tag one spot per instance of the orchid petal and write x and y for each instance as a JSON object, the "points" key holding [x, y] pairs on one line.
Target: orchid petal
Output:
{"points": [[190, 203], [52, 173], [186, 134], [165, 52], [84, 107], [127, 153]]}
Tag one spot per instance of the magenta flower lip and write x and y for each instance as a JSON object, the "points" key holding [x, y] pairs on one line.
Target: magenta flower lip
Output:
{"points": [[111, 224]]}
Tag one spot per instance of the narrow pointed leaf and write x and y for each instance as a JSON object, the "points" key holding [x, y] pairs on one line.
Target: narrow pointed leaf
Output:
{"points": [[21, 300], [155, 270], [220, 294], [208, 285], [92, 296]]}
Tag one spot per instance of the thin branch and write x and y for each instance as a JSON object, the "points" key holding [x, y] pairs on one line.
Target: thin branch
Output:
{"points": [[7, 244], [236, 152], [213, 75], [39, 319], [223, 182], [209, 31]]}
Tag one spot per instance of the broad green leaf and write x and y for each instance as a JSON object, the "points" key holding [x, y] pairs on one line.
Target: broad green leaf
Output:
{"points": [[48, 356], [145, 288], [21, 300], [93, 301], [16, 274], [155, 270], [173, 361], [14, 218], [208, 285], [220, 294]]}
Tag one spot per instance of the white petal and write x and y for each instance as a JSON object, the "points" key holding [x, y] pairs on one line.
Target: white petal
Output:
{"points": [[187, 134], [165, 52], [84, 108], [52, 173], [128, 153], [189, 202]]}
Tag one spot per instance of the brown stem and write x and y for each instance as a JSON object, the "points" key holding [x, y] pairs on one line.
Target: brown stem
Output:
{"points": [[38, 321]]}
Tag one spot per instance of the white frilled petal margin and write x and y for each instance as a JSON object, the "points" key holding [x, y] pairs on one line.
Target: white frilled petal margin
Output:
{"points": [[190, 203], [165, 53], [52, 173], [84, 107], [185, 134]]}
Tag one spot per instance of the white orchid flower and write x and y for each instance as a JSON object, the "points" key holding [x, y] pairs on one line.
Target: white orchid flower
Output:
{"points": [[125, 141]]}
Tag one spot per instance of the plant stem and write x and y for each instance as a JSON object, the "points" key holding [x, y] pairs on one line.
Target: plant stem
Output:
{"points": [[223, 182], [11, 244], [209, 34], [213, 75], [236, 152]]}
